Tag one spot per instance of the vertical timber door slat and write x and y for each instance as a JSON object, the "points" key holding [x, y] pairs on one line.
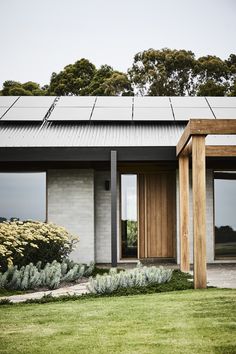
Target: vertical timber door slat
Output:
{"points": [[157, 214]]}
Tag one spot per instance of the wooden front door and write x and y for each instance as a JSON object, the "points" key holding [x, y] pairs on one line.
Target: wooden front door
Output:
{"points": [[157, 215]]}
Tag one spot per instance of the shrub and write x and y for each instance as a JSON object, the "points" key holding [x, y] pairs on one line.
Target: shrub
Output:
{"points": [[50, 276], [138, 277], [31, 241]]}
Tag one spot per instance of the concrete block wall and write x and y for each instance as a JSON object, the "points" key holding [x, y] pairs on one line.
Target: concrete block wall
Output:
{"points": [[209, 218], [102, 218], [71, 204]]}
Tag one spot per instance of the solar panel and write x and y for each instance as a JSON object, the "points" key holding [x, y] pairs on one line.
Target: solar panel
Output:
{"points": [[151, 102], [70, 113], [112, 114], [225, 113], [191, 112], [76, 101], [3, 110], [34, 101], [7, 101], [115, 101], [154, 114], [222, 102], [25, 114], [198, 102]]}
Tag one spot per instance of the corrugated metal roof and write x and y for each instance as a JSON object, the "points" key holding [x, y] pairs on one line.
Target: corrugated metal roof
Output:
{"points": [[85, 135], [148, 121]]}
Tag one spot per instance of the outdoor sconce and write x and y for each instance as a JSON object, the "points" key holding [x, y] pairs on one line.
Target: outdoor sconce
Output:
{"points": [[107, 185]]}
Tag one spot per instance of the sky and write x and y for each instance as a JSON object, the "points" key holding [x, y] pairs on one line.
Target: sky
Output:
{"points": [[39, 37]]}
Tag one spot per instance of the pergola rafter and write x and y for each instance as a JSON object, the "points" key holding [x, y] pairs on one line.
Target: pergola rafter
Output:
{"points": [[192, 142]]}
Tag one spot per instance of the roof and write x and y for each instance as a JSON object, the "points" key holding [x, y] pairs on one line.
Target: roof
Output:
{"points": [[86, 121], [82, 135], [125, 109]]}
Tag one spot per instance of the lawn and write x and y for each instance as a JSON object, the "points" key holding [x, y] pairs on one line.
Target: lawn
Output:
{"points": [[200, 321]]}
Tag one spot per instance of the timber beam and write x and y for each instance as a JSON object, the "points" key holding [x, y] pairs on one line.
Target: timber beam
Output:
{"points": [[205, 127]]}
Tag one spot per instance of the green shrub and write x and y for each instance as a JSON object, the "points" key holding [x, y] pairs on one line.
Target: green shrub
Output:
{"points": [[137, 277], [35, 276], [31, 241]]}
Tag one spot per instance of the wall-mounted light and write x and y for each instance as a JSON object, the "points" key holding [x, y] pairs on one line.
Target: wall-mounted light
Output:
{"points": [[107, 185]]}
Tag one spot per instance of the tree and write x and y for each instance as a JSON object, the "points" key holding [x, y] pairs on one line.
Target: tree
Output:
{"points": [[82, 78], [169, 72], [163, 72], [15, 88], [231, 63], [211, 88], [73, 79]]}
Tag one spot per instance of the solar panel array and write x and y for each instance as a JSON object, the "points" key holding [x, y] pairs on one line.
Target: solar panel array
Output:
{"points": [[27, 108], [107, 109]]}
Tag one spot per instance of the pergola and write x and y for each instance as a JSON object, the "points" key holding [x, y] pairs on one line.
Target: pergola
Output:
{"points": [[192, 144]]}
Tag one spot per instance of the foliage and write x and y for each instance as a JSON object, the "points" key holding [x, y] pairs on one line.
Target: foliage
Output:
{"points": [[137, 277], [5, 302], [35, 276], [163, 72], [83, 78], [15, 88], [33, 241], [154, 72], [178, 281], [169, 72], [132, 232], [210, 88]]}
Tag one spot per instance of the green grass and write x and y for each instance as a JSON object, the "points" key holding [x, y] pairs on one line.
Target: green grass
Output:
{"points": [[190, 321], [6, 292]]}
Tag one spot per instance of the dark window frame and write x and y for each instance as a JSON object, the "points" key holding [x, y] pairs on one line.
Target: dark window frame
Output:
{"points": [[226, 175]]}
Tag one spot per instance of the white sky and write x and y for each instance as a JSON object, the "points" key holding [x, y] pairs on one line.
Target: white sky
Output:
{"points": [[42, 36]]}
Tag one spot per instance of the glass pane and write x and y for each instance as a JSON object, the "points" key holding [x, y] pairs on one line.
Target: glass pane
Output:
{"points": [[129, 224], [225, 215], [23, 196]]}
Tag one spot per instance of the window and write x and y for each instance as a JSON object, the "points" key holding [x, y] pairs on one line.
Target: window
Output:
{"points": [[129, 224], [23, 196], [225, 214]]}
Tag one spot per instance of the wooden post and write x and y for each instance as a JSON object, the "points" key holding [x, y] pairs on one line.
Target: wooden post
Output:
{"points": [[184, 212], [199, 210]]}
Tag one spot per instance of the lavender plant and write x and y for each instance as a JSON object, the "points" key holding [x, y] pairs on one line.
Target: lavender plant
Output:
{"points": [[34, 276], [137, 277]]}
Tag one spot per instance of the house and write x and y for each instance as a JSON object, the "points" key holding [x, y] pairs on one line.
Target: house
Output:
{"points": [[134, 177]]}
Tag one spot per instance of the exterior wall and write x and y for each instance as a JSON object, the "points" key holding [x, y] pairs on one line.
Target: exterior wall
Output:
{"points": [[102, 218], [209, 218], [77, 200], [71, 204]]}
